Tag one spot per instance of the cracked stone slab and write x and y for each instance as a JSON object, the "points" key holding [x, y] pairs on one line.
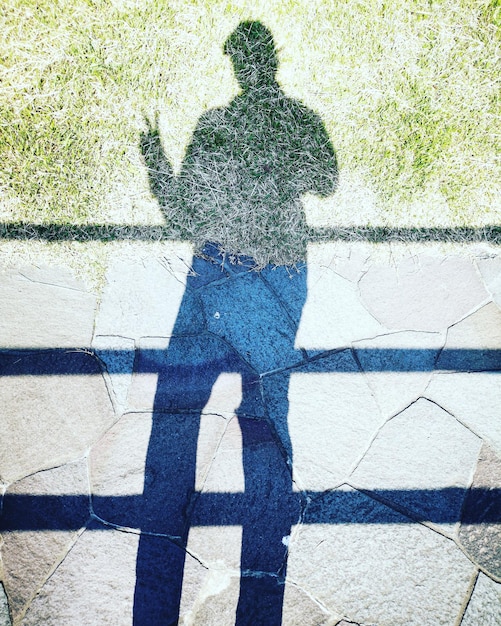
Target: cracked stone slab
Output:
{"points": [[212, 582], [325, 420], [417, 352], [422, 292], [333, 315], [94, 584], [417, 453], [490, 269], [349, 260], [142, 297], [212, 579], [117, 354], [224, 471], [264, 506], [127, 463], [394, 572], [481, 332], [44, 308], [210, 596], [473, 398], [482, 539], [302, 610], [29, 556], [50, 419], [484, 606]]}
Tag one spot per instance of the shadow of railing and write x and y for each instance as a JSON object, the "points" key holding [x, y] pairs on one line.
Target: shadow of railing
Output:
{"points": [[29, 231], [72, 512]]}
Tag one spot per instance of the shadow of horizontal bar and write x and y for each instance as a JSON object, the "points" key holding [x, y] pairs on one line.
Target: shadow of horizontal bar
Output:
{"points": [[70, 512], [21, 230], [81, 361]]}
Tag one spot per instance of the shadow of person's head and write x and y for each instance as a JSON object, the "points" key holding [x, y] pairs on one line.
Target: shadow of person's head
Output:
{"points": [[252, 51]]}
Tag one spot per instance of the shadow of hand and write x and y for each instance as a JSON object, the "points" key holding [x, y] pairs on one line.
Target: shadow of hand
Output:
{"points": [[160, 174]]}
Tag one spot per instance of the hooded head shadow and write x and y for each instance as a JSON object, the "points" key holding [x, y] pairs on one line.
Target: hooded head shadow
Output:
{"points": [[240, 186]]}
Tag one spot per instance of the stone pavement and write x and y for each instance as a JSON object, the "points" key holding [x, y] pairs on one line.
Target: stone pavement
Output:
{"points": [[328, 439]]}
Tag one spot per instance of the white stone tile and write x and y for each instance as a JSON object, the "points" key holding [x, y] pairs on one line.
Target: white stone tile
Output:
{"points": [[479, 331], [394, 391], [332, 418], [421, 450], [484, 607], [52, 419], [29, 556], [226, 471], [397, 573], [423, 292], [117, 354], [93, 585], [474, 398], [142, 297], [47, 311], [333, 315]]}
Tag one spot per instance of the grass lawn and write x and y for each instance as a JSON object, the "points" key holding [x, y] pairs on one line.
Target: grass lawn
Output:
{"points": [[408, 92]]}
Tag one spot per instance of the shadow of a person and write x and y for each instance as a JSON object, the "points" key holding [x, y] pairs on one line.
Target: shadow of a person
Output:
{"points": [[241, 181]]}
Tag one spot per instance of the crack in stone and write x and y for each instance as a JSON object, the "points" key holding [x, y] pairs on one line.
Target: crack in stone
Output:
{"points": [[43, 282], [55, 566], [469, 428], [467, 598]]}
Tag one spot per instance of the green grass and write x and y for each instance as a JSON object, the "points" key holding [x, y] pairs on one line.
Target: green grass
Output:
{"points": [[409, 93]]}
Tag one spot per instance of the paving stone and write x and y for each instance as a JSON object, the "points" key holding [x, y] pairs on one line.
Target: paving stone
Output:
{"points": [[302, 610], [422, 293], [422, 461], [383, 569], [41, 507], [117, 354], [118, 461], [225, 470], [210, 592], [216, 547], [330, 418], [151, 355], [93, 585], [473, 398], [480, 532], [484, 608], [44, 308], [349, 260], [333, 315], [142, 297], [246, 313], [480, 332], [4, 608], [215, 600], [415, 360], [490, 270], [49, 418], [210, 596]]}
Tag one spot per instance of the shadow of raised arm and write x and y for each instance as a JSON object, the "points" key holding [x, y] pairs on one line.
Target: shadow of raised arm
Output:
{"points": [[160, 173]]}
